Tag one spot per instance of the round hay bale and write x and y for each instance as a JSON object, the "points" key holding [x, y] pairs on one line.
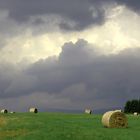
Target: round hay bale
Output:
{"points": [[88, 111], [33, 110], [4, 111], [136, 113], [12, 112], [114, 119]]}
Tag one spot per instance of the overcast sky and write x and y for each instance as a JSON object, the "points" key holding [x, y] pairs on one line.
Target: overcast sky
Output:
{"points": [[69, 54]]}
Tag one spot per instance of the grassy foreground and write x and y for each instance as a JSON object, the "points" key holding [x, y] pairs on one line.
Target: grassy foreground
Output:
{"points": [[60, 126]]}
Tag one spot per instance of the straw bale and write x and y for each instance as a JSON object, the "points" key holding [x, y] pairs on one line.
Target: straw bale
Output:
{"points": [[12, 112], [136, 113], [114, 119], [4, 111], [33, 110], [88, 111]]}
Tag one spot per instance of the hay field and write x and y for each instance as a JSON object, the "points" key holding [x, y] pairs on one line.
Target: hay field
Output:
{"points": [[60, 126]]}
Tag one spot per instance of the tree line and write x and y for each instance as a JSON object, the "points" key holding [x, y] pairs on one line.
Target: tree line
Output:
{"points": [[132, 106]]}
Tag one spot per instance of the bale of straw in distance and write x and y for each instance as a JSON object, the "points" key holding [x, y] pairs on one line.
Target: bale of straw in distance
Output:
{"points": [[119, 110], [114, 119], [33, 110], [12, 112], [88, 111], [136, 113], [4, 111]]}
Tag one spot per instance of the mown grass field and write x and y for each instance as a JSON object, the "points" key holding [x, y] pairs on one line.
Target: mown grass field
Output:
{"points": [[60, 126]]}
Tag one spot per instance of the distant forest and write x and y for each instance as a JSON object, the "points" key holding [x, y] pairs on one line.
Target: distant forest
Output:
{"points": [[132, 106]]}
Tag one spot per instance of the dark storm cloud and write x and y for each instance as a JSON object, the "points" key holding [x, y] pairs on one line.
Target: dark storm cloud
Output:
{"points": [[82, 12], [79, 75], [77, 11], [109, 77], [133, 4], [6, 76]]}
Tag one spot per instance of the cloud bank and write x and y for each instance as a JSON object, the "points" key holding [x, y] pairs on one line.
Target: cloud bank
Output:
{"points": [[79, 77], [43, 62]]}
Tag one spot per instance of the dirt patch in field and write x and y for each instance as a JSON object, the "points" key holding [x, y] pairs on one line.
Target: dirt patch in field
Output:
{"points": [[3, 121], [14, 133]]}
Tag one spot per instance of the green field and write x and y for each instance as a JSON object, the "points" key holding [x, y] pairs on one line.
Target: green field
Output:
{"points": [[60, 126]]}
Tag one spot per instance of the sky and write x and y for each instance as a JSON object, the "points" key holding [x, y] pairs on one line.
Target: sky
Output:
{"points": [[69, 54]]}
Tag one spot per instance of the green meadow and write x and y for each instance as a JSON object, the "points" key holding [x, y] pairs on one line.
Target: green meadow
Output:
{"points": [[61, 126]]}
